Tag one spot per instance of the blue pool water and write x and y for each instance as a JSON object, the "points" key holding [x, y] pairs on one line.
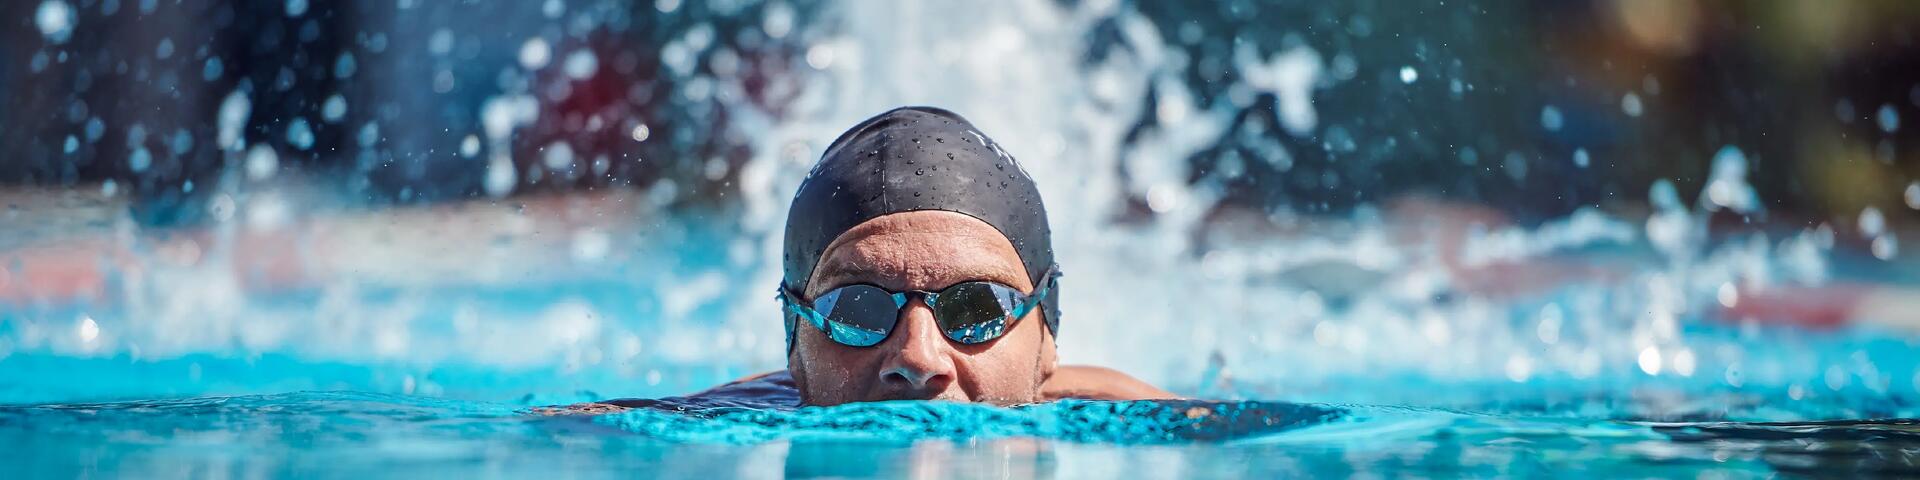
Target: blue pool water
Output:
{"points": [[349, 434], [130, 388], [1371, 238], [296, 415]]}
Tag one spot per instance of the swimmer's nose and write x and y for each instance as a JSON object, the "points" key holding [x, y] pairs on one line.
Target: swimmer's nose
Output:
{"points": [[919, 360]]}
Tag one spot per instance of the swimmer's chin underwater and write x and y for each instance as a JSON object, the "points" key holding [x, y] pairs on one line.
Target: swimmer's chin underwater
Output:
{"points": [[918, 266]]}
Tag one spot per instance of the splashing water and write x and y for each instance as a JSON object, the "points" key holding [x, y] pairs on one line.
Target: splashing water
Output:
{"points": [[1218, 295], [381, 435], [1563, 326]]}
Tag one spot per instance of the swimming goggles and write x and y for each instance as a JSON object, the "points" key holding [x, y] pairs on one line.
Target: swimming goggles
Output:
{"points": [[862, 315]]}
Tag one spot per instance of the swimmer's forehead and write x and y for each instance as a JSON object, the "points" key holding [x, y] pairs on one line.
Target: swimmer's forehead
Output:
{"points": [[919, 250]]}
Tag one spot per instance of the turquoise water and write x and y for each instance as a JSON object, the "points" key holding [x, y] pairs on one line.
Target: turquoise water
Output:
{"points": [[482, 422], [136, 387], [100, 397], [345, 434], [303, 329]]}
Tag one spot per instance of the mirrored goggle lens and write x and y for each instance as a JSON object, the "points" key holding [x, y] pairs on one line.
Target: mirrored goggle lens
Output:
{"points": [[974, 312], [858, 315]]}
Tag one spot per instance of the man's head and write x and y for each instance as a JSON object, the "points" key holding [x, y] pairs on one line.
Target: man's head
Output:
{"points": [[917, 199]]}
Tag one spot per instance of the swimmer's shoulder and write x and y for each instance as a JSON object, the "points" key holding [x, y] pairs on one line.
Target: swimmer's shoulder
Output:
{"points": [[1099, 383]]}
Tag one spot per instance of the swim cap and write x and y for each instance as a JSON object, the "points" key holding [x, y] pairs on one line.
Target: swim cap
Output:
{"points": [[917, 158]]}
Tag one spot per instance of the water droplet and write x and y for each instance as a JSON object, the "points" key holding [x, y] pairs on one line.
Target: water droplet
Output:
{"points": [[440, 42], [262, 162], [212, 70], [164, 50], [581, 64], [1888, 118], [296, 8], [559, 156], [139, 160], [819, 56], [1551, 119], [535, 53], [369, 134], [1872, 222], [182, 142], [919, 172], [1408, 74], [89, 330], [334, 109], [232, 118], [501, 177], [1885, 247], [345, 66], [1650, 361], [299, 135], [55, 19]]}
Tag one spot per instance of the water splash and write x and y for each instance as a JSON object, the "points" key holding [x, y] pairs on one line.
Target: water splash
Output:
{"points": [[1144, 422], [56, 21], [1218, 294]]}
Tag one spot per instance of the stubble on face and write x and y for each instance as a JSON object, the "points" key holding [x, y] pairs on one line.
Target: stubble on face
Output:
{"points": [[922, 250]]}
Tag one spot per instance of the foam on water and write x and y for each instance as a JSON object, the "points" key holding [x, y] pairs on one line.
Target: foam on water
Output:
{"points": [[1072, 420]]}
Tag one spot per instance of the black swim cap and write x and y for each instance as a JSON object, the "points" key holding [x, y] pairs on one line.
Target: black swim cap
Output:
{"points": [[918, 158]]}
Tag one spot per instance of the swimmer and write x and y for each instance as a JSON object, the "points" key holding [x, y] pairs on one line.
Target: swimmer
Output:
{"points": [[919, 266]]}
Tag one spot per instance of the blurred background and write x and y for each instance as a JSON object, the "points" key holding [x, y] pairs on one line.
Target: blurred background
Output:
{"points": [[1671, 205]]}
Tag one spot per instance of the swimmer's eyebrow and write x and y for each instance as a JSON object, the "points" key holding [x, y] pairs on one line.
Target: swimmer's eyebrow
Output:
{"points": [[836, 275]]}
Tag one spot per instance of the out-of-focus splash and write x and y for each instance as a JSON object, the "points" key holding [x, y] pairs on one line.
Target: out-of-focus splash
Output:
{"points": [[615, 292], [1203, 294]]}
